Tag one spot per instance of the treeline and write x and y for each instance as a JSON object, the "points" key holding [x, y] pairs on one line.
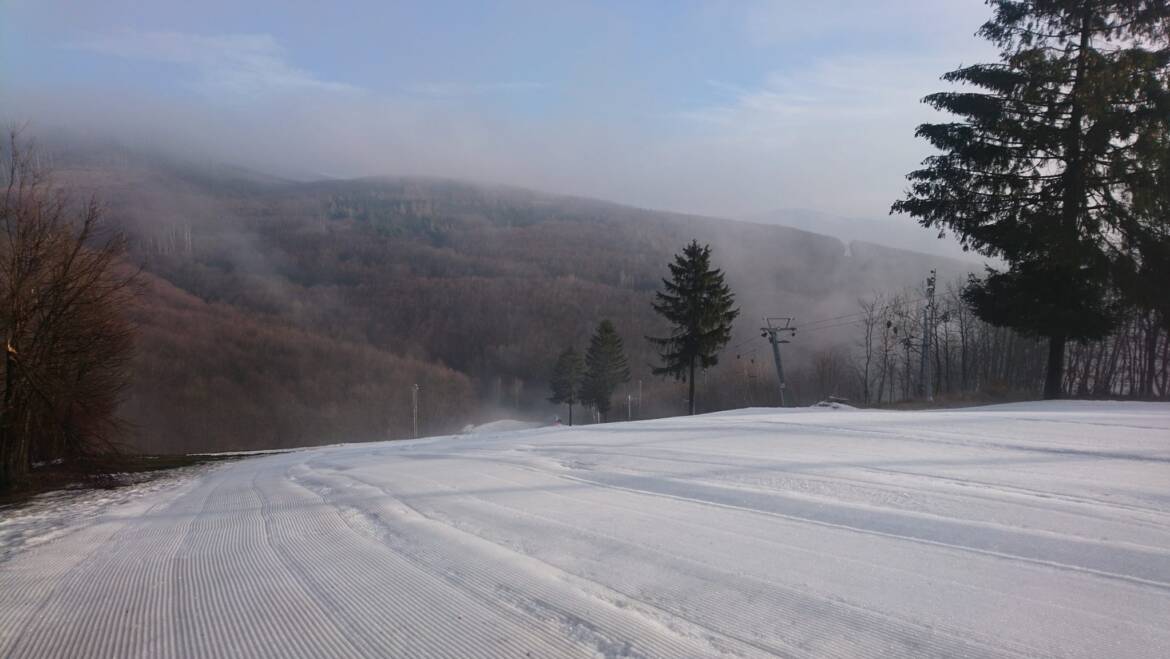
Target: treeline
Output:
{"points": [[514, 279], [1133, 362], [960, 355], [879, 361]]}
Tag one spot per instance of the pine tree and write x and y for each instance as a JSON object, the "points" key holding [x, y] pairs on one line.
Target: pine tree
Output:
{"points": [[566, 381], [1041, 165], [699, 305], [605, 367], [1144, 267]]}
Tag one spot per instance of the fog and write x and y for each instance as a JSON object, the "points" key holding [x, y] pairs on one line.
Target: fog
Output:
{"points": [[728, 110]]}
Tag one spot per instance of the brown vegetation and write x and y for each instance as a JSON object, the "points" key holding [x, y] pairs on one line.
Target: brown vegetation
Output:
{"points": [[63, 295], [280, 313], [492, 283], [209, 377]]}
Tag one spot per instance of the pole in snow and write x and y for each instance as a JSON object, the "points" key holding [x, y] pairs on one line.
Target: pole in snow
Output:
{"points": [[773, 327], [923, 354], [414, 408], [928, 318]]}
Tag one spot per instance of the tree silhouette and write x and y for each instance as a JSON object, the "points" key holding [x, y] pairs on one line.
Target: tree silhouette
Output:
{"points": [[1042, 165], [566, 380], [605, 367], [699, 306]]}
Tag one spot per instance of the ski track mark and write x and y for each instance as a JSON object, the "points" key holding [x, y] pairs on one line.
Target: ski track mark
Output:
{"points": [[1024, 530]]}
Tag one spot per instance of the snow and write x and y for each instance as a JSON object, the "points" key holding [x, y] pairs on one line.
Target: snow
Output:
{"points": [[230, 454], [502, 425], [52, 514], [1036, 529]]}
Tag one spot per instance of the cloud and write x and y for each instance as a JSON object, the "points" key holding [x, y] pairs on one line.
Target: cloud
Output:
{"points": [[930, 22], [237, 64], [441, 89], [835, 135], [857, 91], [830, 128]]}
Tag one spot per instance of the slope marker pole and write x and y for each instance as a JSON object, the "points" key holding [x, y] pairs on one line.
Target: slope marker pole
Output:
{"points": [[414, 408]]}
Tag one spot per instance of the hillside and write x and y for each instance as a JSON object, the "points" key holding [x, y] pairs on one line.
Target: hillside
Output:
{"points": [[265, 285]]}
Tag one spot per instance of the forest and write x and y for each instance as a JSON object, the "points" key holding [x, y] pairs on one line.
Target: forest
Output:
{"points": [[277, 313], [264, 293], [881, 362]]}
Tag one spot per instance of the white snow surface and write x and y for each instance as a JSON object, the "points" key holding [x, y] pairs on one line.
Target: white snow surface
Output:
{"points": [[1038, 529], [502, 425]]}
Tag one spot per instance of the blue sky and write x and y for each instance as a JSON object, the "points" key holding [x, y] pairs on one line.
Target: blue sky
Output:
{"points": [[725, 108]]}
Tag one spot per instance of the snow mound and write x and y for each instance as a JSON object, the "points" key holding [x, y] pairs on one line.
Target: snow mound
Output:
{"points": [[503, 425], [834, 405]]}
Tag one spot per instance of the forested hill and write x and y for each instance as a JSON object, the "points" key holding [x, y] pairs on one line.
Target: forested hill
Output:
{"points": [[282, 313]]}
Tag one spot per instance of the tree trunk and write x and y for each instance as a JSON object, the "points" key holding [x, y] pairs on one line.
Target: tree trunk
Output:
{"points": [[1151, 357], [691, 390], [570, 415], [1074, 195], [1054, 376], [13, 459]]}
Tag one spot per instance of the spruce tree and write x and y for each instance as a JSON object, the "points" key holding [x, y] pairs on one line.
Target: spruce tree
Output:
{"points": [[566, 381], [1042, 162], [605, 367], [1144, 267], [699, 306]]}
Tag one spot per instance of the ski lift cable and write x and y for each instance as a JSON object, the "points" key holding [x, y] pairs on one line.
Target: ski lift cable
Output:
{"points": [[817, 324]]}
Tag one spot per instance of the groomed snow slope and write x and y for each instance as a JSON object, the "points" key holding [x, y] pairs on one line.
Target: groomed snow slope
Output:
{"points": [[1014, 530]]}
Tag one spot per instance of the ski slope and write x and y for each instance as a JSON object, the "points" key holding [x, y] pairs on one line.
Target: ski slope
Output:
{"points": [[1025, 530]]}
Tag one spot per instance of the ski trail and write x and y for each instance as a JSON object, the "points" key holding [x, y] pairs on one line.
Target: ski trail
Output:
{"points": [[1139, 565], [848, 626], [494, 572], [1036, 530], [821, 626]]}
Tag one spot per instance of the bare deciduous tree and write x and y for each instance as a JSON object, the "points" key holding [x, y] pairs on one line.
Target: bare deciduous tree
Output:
{"points": [[63, 292]]}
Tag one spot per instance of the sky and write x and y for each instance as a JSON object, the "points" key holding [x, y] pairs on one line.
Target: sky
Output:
{"points": [[726, 108]]}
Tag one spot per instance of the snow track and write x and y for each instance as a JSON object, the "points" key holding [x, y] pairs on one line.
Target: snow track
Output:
{"points": [[1008, 531]]}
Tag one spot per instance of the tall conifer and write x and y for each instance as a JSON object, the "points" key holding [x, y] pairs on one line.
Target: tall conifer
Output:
{"points": [[605, 367], [1044, 159], [566, 381], [700, 308]]}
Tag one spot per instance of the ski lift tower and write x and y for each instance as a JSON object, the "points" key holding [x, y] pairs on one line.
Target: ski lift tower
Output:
{"points": [[775, 329]]}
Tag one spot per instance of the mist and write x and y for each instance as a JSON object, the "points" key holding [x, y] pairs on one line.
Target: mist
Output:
{"points": [[227, 141], [754, 115]]}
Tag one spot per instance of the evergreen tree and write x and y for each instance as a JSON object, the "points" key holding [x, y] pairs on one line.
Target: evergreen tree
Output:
{"points": [[699, 306], [1144, 267], [1042, 163], [605, 367], [566, 380]]}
